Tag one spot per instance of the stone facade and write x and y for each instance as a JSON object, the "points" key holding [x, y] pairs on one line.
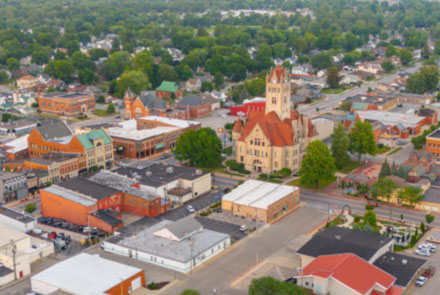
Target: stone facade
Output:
{"points": [[270, 142]]}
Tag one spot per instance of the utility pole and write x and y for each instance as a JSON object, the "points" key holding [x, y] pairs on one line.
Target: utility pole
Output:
{"points": [[14, 252]]}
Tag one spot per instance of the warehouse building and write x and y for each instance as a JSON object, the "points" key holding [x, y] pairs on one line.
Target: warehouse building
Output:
{"points": [[16, 220], [180, 245], [261, 201], [86, 274]]}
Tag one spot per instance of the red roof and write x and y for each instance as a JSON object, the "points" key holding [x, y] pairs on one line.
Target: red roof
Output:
{"points": [[352, 271], [279, 72], [237, 126]]}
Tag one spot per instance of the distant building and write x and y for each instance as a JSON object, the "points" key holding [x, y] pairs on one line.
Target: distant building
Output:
{"points": [[407, 97], [372, 102], [17, 148], [16, 220], [179, 245], [197, 106], [432, 144], [13, 186], [87, 274], [66, 104], [261, 201], [169, 90], [17, 128], [26, 82], [257, 104]]}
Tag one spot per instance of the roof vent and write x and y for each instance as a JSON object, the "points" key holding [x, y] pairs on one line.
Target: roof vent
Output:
{"points": [[149, 173], [363, 98], [170, 170], [337, 237], [404, 261], [198, 172]]}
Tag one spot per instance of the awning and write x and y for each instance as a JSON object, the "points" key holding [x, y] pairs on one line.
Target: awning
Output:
{"points": [[160, 145]]}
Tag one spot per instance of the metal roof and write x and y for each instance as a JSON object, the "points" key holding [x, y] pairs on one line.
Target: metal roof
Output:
{"points": [[70, 195], [88, 138]]}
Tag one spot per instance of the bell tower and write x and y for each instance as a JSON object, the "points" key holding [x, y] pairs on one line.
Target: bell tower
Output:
{"points": [[278, 92], [128, 103]]}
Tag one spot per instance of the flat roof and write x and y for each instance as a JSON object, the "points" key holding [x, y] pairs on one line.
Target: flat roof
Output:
{"points": [[258, 194], [170, 121], [7, 234], [139, 134], [401, 266], [86, 274], [370, 99], [391, 118], [18, 216], [435, 134], [432, 195], [65, 95], [88, 188], [70, 195], [146, 241]]}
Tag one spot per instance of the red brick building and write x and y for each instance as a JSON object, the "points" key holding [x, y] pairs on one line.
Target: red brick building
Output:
{"points": [[169, 90], [66, 104], [196, 106], [256, 105]]}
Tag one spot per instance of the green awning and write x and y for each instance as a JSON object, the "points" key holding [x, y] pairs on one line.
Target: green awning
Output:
{"points": [[160, 145]]}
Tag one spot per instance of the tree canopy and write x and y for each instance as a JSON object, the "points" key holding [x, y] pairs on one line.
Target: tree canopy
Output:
{"points": [[362, 139], [269, 285], [317, 165]]}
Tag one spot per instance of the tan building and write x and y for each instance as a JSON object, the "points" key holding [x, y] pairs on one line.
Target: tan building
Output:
{"points": [[261, 201], [27, 81], [276, 139]]}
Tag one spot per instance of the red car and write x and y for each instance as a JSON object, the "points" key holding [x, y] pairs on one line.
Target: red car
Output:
{"points": [[53, 235], [429, 272]]}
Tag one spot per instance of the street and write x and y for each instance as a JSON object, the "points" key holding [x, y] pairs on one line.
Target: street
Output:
{"points": [[333, 100]]}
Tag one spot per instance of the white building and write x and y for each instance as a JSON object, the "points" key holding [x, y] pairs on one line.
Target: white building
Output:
{"points": [[18, 251], [180, 245], [86, 274], [16, 220]]}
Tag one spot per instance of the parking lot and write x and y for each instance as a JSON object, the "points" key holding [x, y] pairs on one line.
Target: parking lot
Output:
{"points": [[224, 227]]}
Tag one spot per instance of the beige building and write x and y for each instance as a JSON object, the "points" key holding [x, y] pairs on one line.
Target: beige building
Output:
{"points": [[261, 201], [27, 81], [277, 139], [99, 148]]}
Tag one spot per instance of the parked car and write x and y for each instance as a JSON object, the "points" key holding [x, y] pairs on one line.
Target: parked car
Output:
{"points": [[421, 281], [423, 252], [219, 210], [291, 280], [190, 209], [244, 227], [165, 156], [53, 235], [429, 272], [60, 244], [427, 247]]}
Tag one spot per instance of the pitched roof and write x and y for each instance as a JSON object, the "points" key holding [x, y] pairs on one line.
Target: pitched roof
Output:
{"points": [[426, 112], [351, 271], [184, 227], [237, 126], [191, 100], [150, 101], [51, 129], [88, 138], [168, 86], [337, 240]]}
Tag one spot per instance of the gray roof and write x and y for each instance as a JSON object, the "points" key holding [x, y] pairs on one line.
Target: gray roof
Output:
{"points": [[150, 101], [191, 100], [184, 227], [88, 188], [147, 242], [21, 217], [108, 217], [159, 173], [53, 158], [70, 195], [65, 95], [4, 175], [432, 195], [51, 129], [5, 271]]}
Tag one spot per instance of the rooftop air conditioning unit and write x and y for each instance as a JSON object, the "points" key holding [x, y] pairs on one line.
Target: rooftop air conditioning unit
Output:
{"points": [[170, 170], [404, 261], [149, 173], [198, 172]]}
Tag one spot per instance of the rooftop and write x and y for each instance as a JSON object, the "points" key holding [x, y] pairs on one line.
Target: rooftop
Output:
{"points": [[54, 129], [5, 175], [258, 194], [86, 274], [48, 159], [107, 217], [88, 188], [391, 118], [370, 99], [170, 121], [18, 216], [435, 134], [137, 135], [168, 86], [65, 95], [184, 227], [18, 144], [432, 195], [7, 234], [401, 266], [18, 124], [191, 100], [70, 195], [88, 138], [338, 240], [157, 174], [146, 241]]}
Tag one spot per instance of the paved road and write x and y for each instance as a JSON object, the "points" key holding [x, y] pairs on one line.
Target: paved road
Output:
{"points": [[333, 100], [235, 262], [399, 158], [322, 202]]}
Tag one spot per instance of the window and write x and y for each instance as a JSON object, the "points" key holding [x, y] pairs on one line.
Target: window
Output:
{"points": [[276, 155], [287, 154], [274, 100], [276, 164]]}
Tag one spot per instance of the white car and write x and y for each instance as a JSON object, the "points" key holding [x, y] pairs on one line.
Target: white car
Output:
{"points": [[244, 227], [190, 209], [421, 281], [423, 252], [427, 247]]}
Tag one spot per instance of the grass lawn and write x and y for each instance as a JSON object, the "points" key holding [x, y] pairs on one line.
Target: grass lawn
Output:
{"points": [[273, 180], [395, 151], [350, 167], [340, 89], [382, 150], [321, 185], [102, 113]]}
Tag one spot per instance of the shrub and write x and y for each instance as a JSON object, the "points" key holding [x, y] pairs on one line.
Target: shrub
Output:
{"points": [[285, 172], [263, 175], [237, 166], [357, 219], [363, 189], [30, 208], [369, 207]]}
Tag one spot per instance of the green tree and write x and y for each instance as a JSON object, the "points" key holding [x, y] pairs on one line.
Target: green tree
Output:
{"points": [[390, 51], [385, 169], [322, 60], [4, 78], [387, 66], [370, 218], [135, 80], [144, 61], [401, 172], [264, 57], [318, 165], [269, 285], [72, 46], [59, 55], [12, 63], [384, 188], [184, 72], [333, 77], [167, 73], [362, 139], [346, 106], [96, 53], [110, 108], [405, 56], [201, 148], [429, 219], [190, 292], [437, 47], [81, 61], [339, 147], [411, 194], [30, 208], [394, 170], [219, 80], [87, 77], [422, 227], [115, 65], [207, 86], [60, 69], [100, 99]]}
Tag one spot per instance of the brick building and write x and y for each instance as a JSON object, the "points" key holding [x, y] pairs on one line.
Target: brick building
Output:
{"points": [[169, 90], [148, 104], [257, 104], [432, 144], [196, 106], [66, 104]]}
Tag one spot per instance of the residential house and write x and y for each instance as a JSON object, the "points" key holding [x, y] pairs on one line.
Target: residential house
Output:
{"points": [[169, 90], [26, 82], [193, 84], [371, 67]]}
